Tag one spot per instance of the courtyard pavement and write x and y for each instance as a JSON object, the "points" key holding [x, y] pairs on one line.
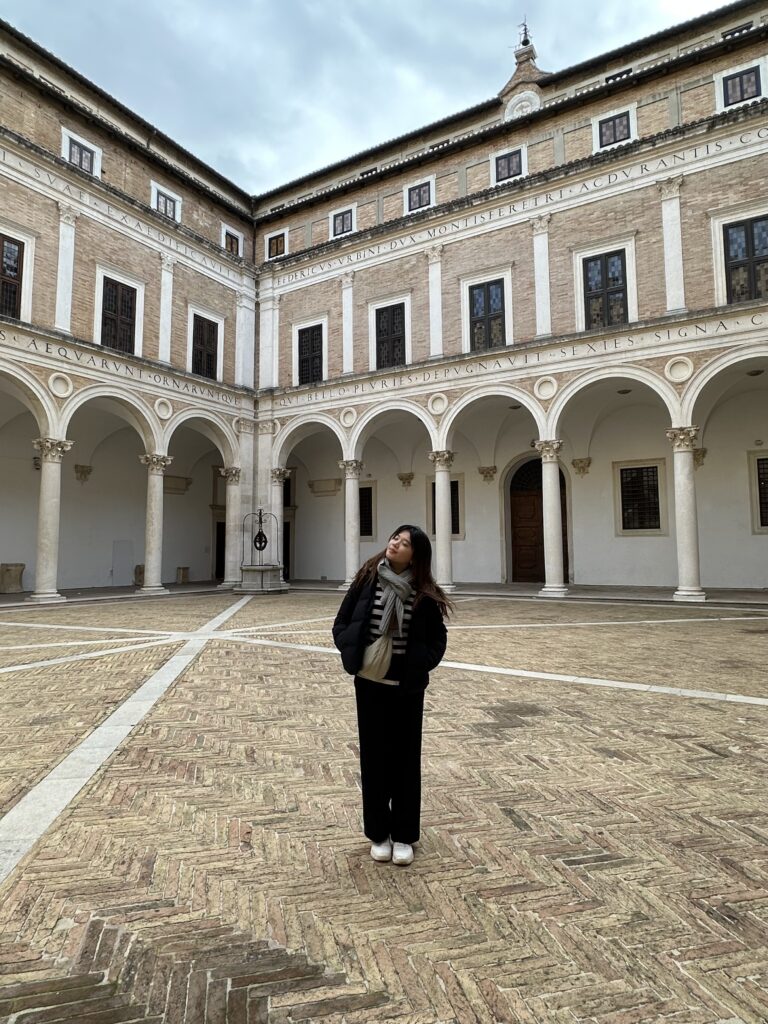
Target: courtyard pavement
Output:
{"points": [[180, 818]]}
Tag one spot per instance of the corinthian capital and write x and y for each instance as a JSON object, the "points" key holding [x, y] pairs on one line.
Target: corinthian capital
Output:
{"points": [[280, 474], [670, 187], [548, 450], [156, 463], [230, 473], [352, 468], [683, 438], [441, 460], [540, 224], [51, 448]]}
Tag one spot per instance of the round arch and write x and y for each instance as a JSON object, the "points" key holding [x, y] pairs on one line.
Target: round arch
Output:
{"points": [[217, 430], [710, 371], [494, 391], [365, 426], [657, 384], [298, 429], [131, 408], [24, 387]]}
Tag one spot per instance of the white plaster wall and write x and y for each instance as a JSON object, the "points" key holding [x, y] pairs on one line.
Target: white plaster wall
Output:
{"points": [[20, 488], [731, 554], [319, 519], [188, 531]]}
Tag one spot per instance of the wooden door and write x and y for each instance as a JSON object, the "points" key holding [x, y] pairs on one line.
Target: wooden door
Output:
{"points": [[527, 524]]}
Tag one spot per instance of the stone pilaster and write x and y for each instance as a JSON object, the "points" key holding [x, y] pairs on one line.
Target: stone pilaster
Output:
{"points": [[167, 264], [434, 263], [673, 242], [540, 227], [65, 268], [347, 322]]}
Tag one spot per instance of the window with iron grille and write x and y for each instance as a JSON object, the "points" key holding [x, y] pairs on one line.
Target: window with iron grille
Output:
{"points": [[342, 222], [762, 491], [615, 129], [232, 243], [455, 509], [166, 205], [509, 165], [10, 276], [744, 85], [605, 290], [276, 246], [746, 259], [81, 156], [640, 504], [310, 343], [390, 336], [420, 196], [118, 316], [366, 510], [486, 316], [205, 344]]}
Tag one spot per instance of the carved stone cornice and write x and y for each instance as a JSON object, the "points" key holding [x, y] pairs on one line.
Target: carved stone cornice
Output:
{"points": [[244, 426], [540, 224], [266, 426], [581, 466], [156, 463], [487, 473], [230, 473], [548, 450], [352, 468], [683, 438], [441, 460], [406, 479], [670, 187], [51, 448]]}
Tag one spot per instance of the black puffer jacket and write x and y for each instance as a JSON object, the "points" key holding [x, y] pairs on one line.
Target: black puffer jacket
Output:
{"points": [[424, 647]]}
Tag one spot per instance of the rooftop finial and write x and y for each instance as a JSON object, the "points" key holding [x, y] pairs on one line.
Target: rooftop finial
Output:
{"points": [[525, 35]]}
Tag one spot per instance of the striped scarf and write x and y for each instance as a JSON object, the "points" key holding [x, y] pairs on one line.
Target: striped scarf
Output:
{"points": [[396, 589]]}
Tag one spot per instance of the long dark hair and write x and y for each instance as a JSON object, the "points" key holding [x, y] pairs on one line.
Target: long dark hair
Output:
{"points": [[423, 582]]}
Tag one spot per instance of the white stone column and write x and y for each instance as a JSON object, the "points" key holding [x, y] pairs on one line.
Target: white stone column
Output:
{"points": [[434, 261], [352, 470], [686, 521], [245, 340], [166, 307], [347, 322], [442, 461], [51, 451], [65, 268], [279, 475], [673, 242], [540, 226], [554, 582], [232, 531], [153, 533]]}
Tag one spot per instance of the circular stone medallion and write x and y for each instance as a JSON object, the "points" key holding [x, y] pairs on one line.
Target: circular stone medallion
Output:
{"points": [[545, 387], [163, 408], [437, 404], [678, 369], [60, 385], [348, 416]]}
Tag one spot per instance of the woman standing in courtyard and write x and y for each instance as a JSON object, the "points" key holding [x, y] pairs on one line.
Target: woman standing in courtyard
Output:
{"points": [[391, 634]]}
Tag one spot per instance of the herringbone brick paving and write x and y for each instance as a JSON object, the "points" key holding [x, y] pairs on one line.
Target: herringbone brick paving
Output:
{"points": [[588, 854]]}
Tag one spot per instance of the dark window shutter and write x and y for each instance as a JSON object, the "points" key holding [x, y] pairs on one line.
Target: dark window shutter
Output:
{"points": [[311, 354], [366, 510], [118, 316], [390, 336], [205, 337], [10, 276], [455, 510]]}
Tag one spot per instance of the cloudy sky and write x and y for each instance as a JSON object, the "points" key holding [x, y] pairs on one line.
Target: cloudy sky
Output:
{"points": [[268, 90]]}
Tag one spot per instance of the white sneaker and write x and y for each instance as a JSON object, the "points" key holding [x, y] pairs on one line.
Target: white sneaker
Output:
{"points": [[382, 851], [402, 853]]}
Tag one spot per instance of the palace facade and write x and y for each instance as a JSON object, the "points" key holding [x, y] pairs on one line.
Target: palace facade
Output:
{"points": [[539, 327]]}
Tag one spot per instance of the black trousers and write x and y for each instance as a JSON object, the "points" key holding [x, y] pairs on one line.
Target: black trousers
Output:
{"points": [[389, 722]]}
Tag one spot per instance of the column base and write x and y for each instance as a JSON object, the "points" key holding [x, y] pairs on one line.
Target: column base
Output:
{"points": [[689, 594], [152, 591], [228, 584], [555, 590], [46, 597], [447, 588], [345, 585]]}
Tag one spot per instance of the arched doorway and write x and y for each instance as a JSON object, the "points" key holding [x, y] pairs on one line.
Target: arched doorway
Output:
{"points": [[526, 523]]}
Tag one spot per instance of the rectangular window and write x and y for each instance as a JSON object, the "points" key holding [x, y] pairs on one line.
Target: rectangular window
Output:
{"points": [[746, 259], [640, 504], [81, 156], [166, 205], [232, 243], [118, 316], [390, 336], [615, 129], [366, 510], [762, 492], [205, 342], [276, 246], [310, 354], [744, 85], [420, 196], [455, 509], [10, 276], [605, 290], [509, 165], [486, 314], [342, 222]]}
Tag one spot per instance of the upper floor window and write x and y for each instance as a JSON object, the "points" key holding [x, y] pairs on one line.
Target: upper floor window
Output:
{"points": [[741, 86], [118, 316], [420, 196], [232, 240], [205, 346], [486, 312], [343, 222], [605, 290], [276, 245], [509, 165], [10, 276], [310, 354], [390, 336], [81, 153], [746, 259], [616, 128], [166, 202]]}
